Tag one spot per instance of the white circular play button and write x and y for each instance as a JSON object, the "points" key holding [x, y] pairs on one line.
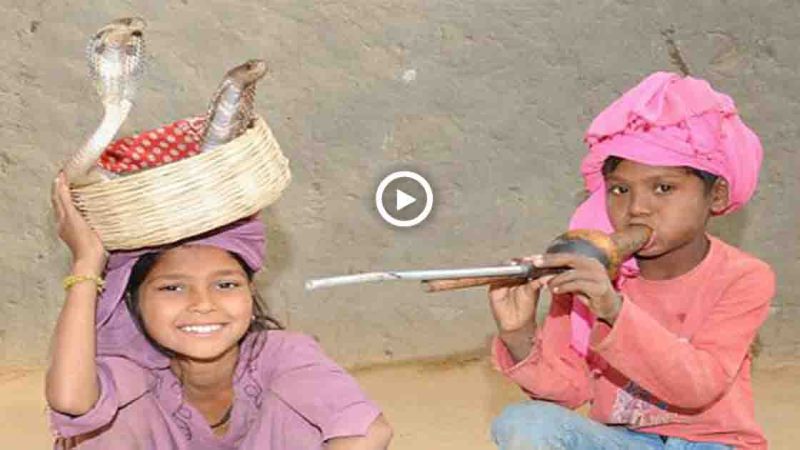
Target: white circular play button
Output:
{"points": [[399, 198]]}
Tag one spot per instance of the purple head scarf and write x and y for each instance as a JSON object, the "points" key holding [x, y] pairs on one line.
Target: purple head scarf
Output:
{"points": [[117, 333]]}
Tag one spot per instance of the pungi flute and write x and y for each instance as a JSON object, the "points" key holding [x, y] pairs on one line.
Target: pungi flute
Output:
{"points": [[610, 249]]}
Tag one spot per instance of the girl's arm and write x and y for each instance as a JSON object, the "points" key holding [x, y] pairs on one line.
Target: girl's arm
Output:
{"points": [[71, 384], [550, 370], [378, 436], [692, 373], [538, 358], [324, 394]]}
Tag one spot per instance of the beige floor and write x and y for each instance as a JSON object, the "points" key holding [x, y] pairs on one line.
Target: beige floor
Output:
{"points": [[436, 406]]}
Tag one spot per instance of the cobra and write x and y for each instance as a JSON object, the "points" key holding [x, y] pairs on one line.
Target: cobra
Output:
{"points": [[115, 55]]}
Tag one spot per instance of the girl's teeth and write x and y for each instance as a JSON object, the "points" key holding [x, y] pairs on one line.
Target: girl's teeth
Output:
{"points": [[201, 328]]}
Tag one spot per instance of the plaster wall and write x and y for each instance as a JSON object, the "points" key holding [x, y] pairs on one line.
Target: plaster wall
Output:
{"points": [[487, 99]]}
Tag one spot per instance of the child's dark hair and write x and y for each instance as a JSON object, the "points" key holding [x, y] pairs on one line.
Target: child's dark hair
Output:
{"points": [[261, 319], [611, 163]]}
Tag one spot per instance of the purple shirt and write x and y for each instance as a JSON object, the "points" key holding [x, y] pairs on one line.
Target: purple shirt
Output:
{"points": [[287, 396]]}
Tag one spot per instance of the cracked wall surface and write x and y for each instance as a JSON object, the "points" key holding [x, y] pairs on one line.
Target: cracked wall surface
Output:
{"points": [[488, 100]]}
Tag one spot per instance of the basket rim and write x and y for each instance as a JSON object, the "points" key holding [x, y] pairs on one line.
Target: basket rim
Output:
{"points": [[259, 125], [137, 210]]}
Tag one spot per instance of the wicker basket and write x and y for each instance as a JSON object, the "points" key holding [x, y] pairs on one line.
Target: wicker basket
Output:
{"points": [[188, 197]]}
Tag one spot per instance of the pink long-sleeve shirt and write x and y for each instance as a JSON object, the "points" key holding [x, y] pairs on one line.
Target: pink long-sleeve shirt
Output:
{"points": [[676, 360], [288, 396]]}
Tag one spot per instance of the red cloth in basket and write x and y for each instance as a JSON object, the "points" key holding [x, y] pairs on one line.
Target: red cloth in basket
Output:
{"points": [[153, 148]]}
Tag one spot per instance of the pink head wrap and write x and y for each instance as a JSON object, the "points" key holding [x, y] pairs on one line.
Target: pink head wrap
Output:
{"points": [[666, 120], [117, 333]]}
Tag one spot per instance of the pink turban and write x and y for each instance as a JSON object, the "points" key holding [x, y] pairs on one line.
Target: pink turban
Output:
{"points": [[117, 333], [666, 120]]}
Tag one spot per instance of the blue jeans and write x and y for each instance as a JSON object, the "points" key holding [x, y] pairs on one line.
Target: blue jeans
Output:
{"points": [[537, 425]]}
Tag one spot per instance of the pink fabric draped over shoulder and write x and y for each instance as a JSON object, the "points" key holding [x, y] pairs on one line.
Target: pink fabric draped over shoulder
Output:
{"points": [[666, 120]]}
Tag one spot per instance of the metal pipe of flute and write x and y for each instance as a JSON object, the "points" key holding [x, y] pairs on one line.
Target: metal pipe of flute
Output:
{"points": [[520, 270]]}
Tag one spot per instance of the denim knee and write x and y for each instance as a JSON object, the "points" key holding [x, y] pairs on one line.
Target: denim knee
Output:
{"points": [[533, 422]]}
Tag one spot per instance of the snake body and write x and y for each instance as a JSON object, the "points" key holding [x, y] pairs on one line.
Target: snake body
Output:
{"points": [[231, 109], [115, 55]]}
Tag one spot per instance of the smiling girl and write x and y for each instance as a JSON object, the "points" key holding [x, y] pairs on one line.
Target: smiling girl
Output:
{"points": [[170, 348]]}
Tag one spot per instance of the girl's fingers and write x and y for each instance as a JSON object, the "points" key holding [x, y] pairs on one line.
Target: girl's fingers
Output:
{"points": [[530, 289], [521, 291], [54, 204], [541, 282], [528, 259], [498, 292], [588, 288], [511, 294], [55, 200], [582, 298], [575, 261], [564, 277], [537, 283], [66, 198], [557, 283]]}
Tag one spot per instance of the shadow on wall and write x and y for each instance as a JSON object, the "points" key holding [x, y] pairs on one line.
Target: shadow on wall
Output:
{"points": [[730, 228], [277, 259]]}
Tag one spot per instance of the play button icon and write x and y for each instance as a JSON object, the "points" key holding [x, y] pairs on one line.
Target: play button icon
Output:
{"points": [[399, 198], [404, 200]]}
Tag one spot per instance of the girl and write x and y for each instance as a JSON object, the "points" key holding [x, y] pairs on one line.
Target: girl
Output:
{"points": [[178, 353], [661, 354]]}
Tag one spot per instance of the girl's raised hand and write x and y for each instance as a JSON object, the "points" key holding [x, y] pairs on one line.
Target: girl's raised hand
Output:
{"points": [[514, 307], [84, 243], [586, 279], [514, 311]]}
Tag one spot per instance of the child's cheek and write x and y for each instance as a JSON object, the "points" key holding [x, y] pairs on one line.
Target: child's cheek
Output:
{"points": [[242, 310], [159, 316], [615, 212]]}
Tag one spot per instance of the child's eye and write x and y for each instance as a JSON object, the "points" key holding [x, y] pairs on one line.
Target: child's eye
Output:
{"points": [[228, 285], [617, 189], [170, 288], [663, 188]]}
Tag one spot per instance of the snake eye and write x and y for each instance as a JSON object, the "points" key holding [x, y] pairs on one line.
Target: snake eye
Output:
{"points": [[137, 34]]}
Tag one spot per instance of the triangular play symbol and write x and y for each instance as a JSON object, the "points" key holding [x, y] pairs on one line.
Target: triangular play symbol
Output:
{"points": [[404, 200]]}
